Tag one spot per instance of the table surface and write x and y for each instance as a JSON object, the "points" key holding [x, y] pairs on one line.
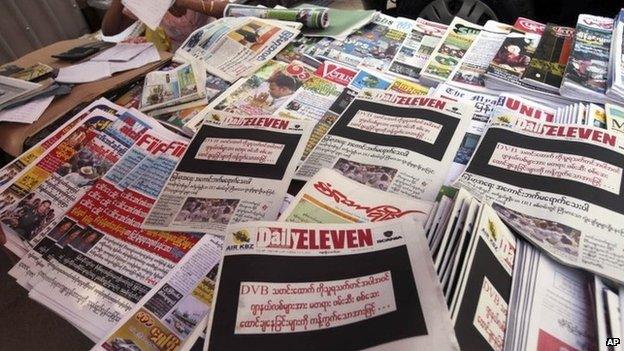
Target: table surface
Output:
{"points": [[13, 135]]}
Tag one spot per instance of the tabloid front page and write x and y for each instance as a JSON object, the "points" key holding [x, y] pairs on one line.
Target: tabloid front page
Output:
{"points": [[470, 72], [415, 51], [450, 50], [237, 169], [372, 46], [268, 89], [393, 142], [45, 190], [232, 48], [10, 171], [560, 186], [381, 293], [88, 207], [114, 262]]}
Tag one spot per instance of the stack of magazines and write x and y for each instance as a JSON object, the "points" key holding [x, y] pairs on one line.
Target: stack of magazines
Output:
{"points": [[585, 76]]}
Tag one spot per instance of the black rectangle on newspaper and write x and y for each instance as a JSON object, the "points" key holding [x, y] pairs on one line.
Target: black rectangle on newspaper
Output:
{"points": [[435, 150], [485, 264], [267, 171], [479, 166], [406, 321]]}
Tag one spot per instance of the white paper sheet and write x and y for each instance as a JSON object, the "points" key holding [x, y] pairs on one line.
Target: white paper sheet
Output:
{"points": [[122, 52], [150, 12], [89, 71], [148, 56], [27, 113]]}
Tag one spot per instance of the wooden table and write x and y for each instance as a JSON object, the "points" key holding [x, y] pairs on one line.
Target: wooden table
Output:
{"points": [[13, 135]]}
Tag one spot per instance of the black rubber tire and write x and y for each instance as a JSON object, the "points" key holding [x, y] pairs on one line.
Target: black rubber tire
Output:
{"points": [[506, 10]]}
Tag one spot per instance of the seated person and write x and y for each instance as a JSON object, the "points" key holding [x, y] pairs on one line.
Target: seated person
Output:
{"points": [[183, 18]]}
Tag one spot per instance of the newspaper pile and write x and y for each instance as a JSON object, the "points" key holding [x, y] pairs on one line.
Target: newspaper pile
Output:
{"points": [[553, 289], [409, 184]]}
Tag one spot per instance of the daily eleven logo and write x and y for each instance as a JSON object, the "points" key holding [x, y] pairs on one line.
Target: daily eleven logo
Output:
{"points": [[313, 239], [372, 213]]}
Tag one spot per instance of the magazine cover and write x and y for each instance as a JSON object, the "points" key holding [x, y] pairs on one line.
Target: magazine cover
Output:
{"points": [[372, 46], [586, 71], [381, 291], [548, 63], [458, 38], [266, 90], [514, 56], [416, 49]]}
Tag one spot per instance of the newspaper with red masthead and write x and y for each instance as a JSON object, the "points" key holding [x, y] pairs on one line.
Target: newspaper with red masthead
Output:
{"points": [[381, 291], [393, 142], [236, 169], [330, 197], [558, 185]]}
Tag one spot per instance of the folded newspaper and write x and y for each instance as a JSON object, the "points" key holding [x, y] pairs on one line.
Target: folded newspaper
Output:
{"points": [[236, 169], [558, 185], [394, 142], [380, 292], [232, 48], [173, 87]]}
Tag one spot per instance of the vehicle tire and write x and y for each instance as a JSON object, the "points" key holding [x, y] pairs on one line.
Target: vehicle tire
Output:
{"points": [[505, 10]]}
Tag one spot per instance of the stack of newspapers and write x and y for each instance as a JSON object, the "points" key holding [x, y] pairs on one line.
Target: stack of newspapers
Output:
{"points": [[407, 185]]}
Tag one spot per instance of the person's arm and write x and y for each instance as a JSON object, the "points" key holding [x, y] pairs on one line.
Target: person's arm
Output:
{"points": [[213, 8], [115, 21]]}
